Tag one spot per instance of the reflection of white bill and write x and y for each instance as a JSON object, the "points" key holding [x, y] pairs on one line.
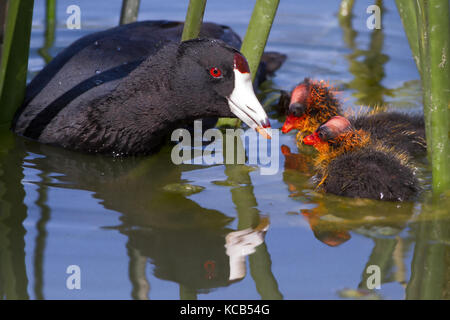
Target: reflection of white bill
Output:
{"points": [[242, 243]]}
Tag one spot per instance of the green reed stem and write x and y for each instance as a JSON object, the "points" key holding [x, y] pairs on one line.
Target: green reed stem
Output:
{"points": [[427, 26], [345, 21], [50, 26], [433, 21], [408, 14], [345, 9], [258, 32], [430, 273], [194, 19], [129, 12], [244, 199], [187, 293], [14, 64], [255, 41]]}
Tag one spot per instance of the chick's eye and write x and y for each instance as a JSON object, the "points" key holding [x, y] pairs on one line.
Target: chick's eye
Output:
{"points": [[321, 132], [299, 110], [215, 72]]}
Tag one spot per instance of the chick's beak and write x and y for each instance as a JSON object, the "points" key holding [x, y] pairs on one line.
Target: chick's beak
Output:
{"points": [[288, 124], [243, 102], [293, 122], [312, 139]]}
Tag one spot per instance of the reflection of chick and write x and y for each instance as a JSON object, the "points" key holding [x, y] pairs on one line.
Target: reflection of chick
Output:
{"points": [[334, 217], [314, 102], [350, 164], [331, 234], [296, 161]]}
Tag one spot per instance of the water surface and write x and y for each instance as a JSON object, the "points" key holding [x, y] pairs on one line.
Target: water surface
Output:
{"points": [[135, 230]]}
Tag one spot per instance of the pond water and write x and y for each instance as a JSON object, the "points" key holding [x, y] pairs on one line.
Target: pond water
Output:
{"points": [[146, 228]]}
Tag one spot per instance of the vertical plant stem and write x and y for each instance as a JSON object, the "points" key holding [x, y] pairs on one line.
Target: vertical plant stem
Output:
{"points": [[187, 293], [408, 14], [258, 32], [137, 275], [423, 46], [434, 47], [194, 19], [244, 199], [3, 6], [345, 9], [42, 235], [14, 63], [439, 31], [430, 276], [345, 21], [380, 256], [255, 41], [13, 212], [129, 12], [50, 25]]}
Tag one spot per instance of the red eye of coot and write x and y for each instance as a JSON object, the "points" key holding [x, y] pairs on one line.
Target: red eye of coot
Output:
{"points": [[215, 72]]}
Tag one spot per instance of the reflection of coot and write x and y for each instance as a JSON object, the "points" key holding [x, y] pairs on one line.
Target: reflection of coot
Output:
{"points": [[195, 258], [184, 241]]}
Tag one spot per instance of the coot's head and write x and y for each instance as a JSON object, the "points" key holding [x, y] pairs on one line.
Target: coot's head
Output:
{"points": [[330, 134], [312, 103], [216, 77]]}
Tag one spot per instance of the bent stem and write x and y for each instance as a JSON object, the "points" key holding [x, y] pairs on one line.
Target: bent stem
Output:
{"points": [[50, 25]]}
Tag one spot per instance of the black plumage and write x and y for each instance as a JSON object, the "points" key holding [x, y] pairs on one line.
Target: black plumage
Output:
{"points": [[134, 113], [121, 91], [370, 173], [405, 132], [350, 163]]}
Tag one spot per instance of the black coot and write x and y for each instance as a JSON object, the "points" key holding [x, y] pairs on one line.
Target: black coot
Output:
{"points": [[122, 90]]}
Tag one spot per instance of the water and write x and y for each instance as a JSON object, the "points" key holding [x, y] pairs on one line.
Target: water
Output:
{"points": [[146, 228]]}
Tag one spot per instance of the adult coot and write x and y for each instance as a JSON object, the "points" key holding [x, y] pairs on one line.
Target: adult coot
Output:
{"points": [[314, 102], [121, 91]]}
